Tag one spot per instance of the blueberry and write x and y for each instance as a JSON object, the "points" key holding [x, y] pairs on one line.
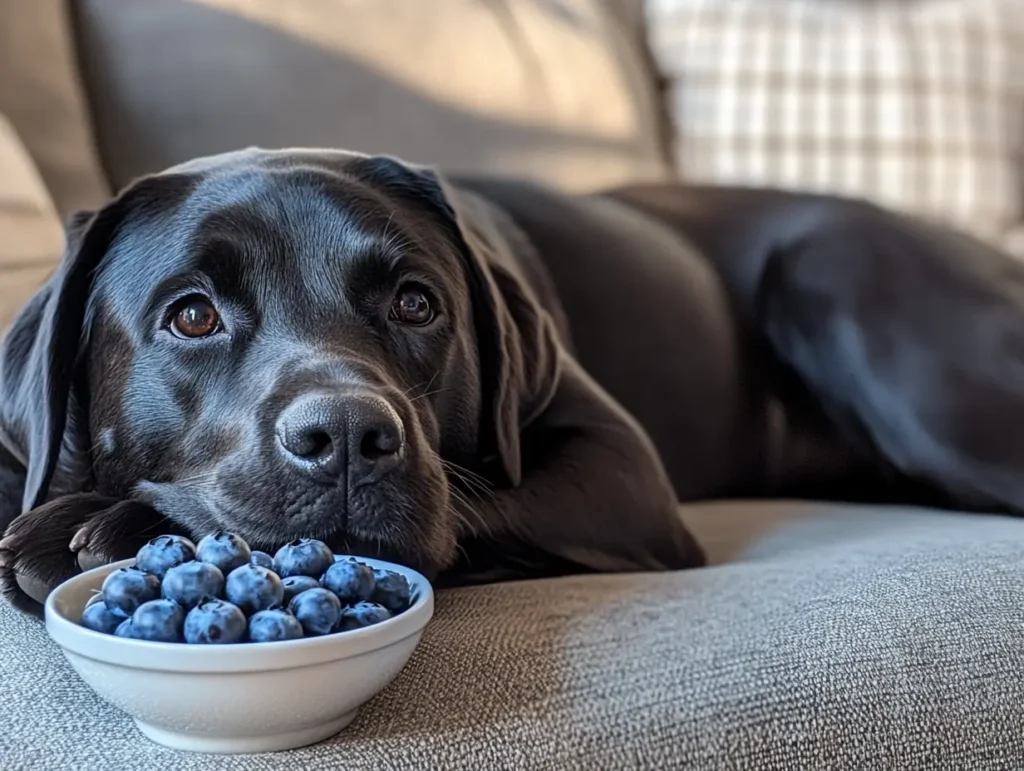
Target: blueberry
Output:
{"points": [[347, 558], [163, 553], [215, 622], [225, 550], [188, 584], [262, 559], [253, 588], [351, 581], [99, 618], [125, 629], [98, 597], [274, 625], [391, 590], [158, 621], [318, 610], [296, 585], [303, 557], [127, 588], [362, 614]]}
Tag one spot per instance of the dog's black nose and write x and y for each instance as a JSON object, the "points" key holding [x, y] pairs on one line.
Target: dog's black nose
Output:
{"points": [[360, 434]]}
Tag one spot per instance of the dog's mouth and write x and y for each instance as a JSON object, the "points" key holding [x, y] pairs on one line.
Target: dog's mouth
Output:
{"points": [[404, 517]]}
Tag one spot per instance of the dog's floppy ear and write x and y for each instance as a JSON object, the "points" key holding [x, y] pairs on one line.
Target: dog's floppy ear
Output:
{"points": [[518, 348], [39, 354]]}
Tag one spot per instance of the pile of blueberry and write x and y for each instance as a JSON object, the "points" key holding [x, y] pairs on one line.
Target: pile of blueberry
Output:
{"points": [[222, 592]]}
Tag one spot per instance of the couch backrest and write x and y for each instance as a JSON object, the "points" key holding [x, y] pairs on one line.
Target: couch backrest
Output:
{"points": [[555, 90], [41, 96]]}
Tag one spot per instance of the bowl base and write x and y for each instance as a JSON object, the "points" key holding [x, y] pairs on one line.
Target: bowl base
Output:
{"points": [[234, 745]]}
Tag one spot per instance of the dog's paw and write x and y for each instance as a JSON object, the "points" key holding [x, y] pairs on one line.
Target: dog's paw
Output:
{"points": [[117, 533], [48, 545], [34, 553]]}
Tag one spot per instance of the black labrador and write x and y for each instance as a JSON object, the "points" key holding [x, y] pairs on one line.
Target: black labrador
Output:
{"points": [[486, 379]]}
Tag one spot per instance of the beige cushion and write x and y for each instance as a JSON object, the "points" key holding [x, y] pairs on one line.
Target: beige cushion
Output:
{"points": [[556, 91], [41, 96], [919, 106], [31, 236]]}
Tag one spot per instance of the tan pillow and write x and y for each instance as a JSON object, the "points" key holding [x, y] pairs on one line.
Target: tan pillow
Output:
{"points": [[555, 90], [917, 105], [31, 235], [41, 95]]}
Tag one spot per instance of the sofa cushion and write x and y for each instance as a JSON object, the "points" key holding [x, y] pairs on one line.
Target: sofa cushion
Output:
{"points": [[552, 91], [846, 637], [31, 236], [41, 95], [917, 105]]}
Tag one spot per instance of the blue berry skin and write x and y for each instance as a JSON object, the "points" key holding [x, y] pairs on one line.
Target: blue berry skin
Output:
{"points": [[225, 550], [274, 626], [351, 581], [297, 585], [163, 553], [362, 614], [262, 559], [347, 558], [215, 622], [303, 557], [191, 583], [99, 618], [318, 610], [253, 588], [125, 629], [158, 621], [126, 589], [391, 590]]}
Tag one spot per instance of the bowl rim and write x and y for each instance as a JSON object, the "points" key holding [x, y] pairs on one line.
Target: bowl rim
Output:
{"points": [[236, 657]]}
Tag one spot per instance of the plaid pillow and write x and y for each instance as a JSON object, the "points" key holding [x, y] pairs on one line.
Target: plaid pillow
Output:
{"points": [[916, 105]]}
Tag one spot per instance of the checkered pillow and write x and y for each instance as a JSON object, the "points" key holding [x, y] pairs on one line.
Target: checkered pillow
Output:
{"points": [[916, 105]]}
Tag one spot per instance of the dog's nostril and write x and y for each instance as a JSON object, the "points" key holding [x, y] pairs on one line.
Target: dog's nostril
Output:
{"points": [[314, 444], [378, 442]]}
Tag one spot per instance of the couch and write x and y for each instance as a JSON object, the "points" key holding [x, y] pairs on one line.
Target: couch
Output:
{"points": [[820, 635]]}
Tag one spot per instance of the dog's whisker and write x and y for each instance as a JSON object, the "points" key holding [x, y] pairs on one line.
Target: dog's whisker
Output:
{"points": [[425, 387], [428, 393], [384, 235], [412, 388], [468, 516], [466, 472], [197, 480], [480, 489]]}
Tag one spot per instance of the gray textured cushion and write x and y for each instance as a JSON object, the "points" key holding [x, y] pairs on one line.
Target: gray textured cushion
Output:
{"points": [[557, 91], [845, 638]]}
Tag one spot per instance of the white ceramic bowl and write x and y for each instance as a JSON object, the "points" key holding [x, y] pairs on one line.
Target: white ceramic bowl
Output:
{"points": [[247, 697]]}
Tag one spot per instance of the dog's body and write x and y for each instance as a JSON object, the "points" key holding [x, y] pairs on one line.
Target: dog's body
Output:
{"points": [[551, 376]]}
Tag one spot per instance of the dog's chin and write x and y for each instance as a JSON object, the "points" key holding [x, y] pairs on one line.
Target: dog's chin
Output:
{"points": [[407, 521]]}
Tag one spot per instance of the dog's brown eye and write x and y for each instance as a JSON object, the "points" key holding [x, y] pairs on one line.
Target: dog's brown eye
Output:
{"points": [[412, 306], [196, 318]]}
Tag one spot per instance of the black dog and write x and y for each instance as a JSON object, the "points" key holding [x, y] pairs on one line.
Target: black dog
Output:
{"points": [[489, 380]]}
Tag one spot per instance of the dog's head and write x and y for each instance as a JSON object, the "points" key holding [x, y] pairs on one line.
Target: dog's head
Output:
{"points": [[281, 344]]}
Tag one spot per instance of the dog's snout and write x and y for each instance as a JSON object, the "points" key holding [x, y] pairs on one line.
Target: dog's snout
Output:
{"points": [[332, 434]]}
